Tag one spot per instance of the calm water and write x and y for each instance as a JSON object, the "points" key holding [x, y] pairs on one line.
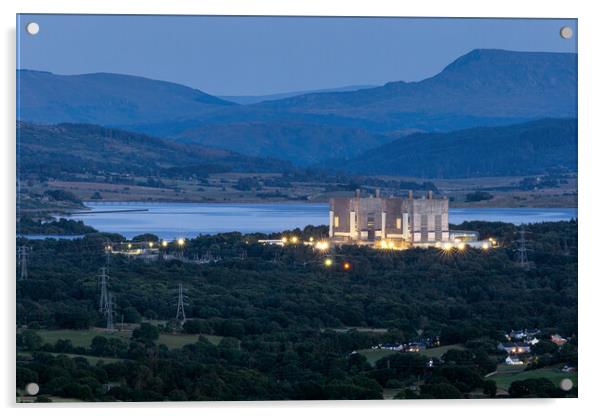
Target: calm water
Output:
{"points": [[52, 236], [172, 220]]}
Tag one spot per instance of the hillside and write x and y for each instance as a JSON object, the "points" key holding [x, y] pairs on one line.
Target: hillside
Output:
{"points": [[83, 149], [481, 88], [521, 149], [299, 142], [108, 99], [482, 84]]}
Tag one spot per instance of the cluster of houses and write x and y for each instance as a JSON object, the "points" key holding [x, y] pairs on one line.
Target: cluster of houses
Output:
{"points": [[414, 346], [520, 343], [207, 258]]}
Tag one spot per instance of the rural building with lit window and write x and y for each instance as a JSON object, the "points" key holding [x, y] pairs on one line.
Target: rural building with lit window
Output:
{"points": [[514, 347]]}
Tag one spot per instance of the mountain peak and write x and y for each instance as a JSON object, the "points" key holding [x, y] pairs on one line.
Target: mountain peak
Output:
{"points": [[504, 57]]}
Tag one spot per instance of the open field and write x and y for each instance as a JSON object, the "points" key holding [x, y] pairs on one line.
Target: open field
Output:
{"points": [[505, 376], [374, 355], [55, 399], [80, 338], [224, 188], [92, 359], [83, 338], [389, 394], [439, 351], [173, 341], [358, 329]]}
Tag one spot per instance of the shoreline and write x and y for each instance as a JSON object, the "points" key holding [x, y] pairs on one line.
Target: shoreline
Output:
{"points": [[452, 205]]}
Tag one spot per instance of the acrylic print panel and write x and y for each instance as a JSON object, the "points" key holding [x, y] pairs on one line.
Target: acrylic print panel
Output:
{"points": [[295, 208]]}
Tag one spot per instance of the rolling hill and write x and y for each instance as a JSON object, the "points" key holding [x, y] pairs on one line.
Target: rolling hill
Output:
{"points": [[88, 149], [301, 143], [482, 88], [521, 149], [108, 99]]}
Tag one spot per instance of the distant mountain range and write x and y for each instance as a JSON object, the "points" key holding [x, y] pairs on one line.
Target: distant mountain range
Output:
{"points": [[88, 149], [481, 84], [521, 149], [254, 99], [482, 88]]}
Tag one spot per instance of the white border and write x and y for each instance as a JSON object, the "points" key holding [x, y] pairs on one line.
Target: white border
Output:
{"points": [[590, 143]]}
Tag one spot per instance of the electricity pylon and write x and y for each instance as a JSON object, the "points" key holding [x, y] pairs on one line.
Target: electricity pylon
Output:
{"points": [[181, 312], [103, 305], [276, 258], [523, 261], [22, 252], [109, 312]]}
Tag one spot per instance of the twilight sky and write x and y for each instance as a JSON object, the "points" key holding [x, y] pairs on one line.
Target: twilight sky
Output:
{"points": [[265, 55]]}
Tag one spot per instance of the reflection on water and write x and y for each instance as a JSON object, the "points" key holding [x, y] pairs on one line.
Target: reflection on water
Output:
{"points": [[172, 220]]}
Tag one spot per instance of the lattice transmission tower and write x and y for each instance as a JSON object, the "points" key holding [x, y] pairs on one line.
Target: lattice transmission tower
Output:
{"points": [[522, 258], [22, 253], [110, 312], [103, 281], [181, 312]]}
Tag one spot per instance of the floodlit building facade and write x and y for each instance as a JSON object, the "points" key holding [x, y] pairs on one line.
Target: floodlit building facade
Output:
{"points": [[391, 222]]}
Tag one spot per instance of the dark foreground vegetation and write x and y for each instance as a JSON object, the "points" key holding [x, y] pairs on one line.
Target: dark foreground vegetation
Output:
{"points": [[281, 312], [62, 226]]}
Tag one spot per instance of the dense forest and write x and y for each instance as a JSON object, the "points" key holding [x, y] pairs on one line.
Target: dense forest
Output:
{"points": [[62, 226], [279, 312]]}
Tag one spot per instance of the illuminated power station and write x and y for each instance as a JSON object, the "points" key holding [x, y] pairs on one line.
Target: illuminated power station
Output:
{"points": [[390, 222]]}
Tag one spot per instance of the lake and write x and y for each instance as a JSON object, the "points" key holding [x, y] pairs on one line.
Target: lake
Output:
{"points": [[173, 220], [54, 236]]}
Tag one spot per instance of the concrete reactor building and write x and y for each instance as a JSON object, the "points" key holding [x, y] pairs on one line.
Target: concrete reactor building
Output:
{"points": [[390, 222]]}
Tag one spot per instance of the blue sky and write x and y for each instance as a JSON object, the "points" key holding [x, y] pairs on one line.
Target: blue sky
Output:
{"points": [[265, 55]]}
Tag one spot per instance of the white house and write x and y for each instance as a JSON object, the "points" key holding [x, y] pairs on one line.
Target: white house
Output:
{"points": [[510, 360]]}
